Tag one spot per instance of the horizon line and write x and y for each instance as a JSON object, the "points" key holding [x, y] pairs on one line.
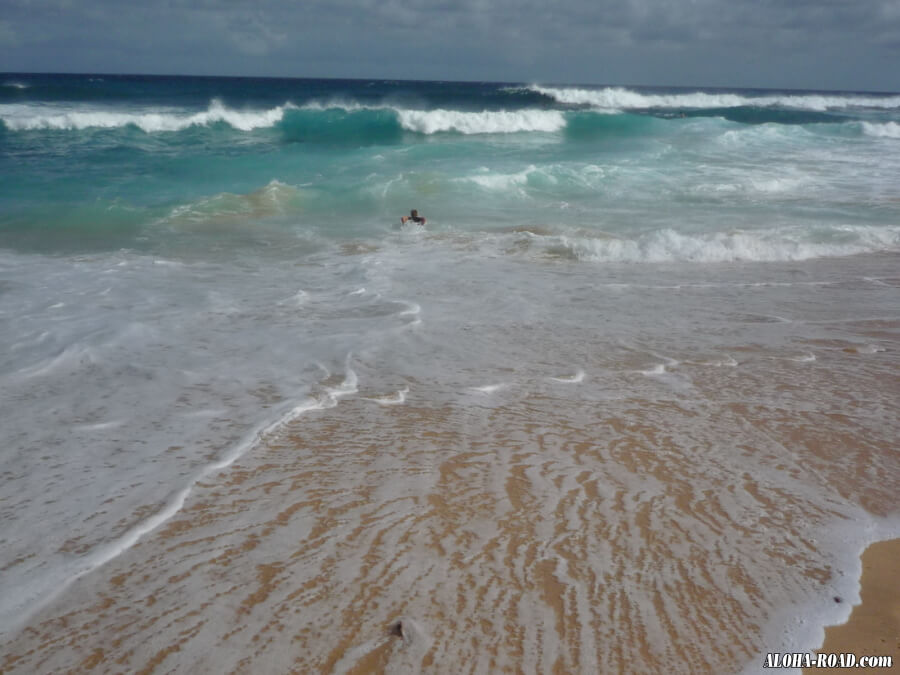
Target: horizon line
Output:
{"points": [[448, 81]]}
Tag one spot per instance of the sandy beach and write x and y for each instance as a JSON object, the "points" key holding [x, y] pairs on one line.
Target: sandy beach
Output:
{"points": [[376, 537], [873, 628]]}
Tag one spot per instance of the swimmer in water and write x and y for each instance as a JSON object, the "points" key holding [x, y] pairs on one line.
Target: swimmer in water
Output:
{"points": [[414, 217]]}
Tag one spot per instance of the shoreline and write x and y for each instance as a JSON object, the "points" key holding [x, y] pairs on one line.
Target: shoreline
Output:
{"points": [[873, 628]]}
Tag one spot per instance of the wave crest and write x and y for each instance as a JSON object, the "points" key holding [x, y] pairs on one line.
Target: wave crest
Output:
{"points": [[32, 118], [886, 130], [760, 246], [25, 118], [486, 122], [619, 98]]}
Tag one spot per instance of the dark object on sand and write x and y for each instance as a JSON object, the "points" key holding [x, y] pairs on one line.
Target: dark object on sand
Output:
{"points": [[397, 629]]}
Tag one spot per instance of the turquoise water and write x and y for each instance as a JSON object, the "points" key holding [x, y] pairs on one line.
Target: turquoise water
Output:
{"points": [[647, 334], [117, 162]]}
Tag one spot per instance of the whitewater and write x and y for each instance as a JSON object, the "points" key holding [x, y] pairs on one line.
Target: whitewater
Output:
{"points": [[632, 388]]}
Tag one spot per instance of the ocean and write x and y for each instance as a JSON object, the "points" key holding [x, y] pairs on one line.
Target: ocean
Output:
{"points": [[627, 402]]}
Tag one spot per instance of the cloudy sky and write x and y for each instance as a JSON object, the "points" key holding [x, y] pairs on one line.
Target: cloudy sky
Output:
{"points": [[807, 44]]}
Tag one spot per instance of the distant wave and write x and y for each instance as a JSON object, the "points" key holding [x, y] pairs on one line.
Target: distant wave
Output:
{"points": [[753, 246], [36, 117], [13, 84], [353, 122], [329, 121], [618, 98]]}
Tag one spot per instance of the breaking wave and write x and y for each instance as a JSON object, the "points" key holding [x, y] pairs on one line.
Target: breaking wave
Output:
{"points": [[351, 122], [27, 118], [310, 121], [886, 130], [718, 247], [486, 122], [618, 98]]}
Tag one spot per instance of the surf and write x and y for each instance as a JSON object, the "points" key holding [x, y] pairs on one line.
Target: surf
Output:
{"points": [[81, 117], [620, 98]]}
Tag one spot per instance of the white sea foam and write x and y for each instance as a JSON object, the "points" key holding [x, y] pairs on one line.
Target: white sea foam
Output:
{"points": [[131, 420], [412, 309], [571, 379], [751, 186], [29, 117], [300, 297], [728, 362], [441, 120], [100, 426], [339, 104], [885, 130], [762, 245], [868, 349], [620, 98], [397, 398], [500, 181], [763, 134], [490, 388], [349, 385], [29, 599], [486, 122]]}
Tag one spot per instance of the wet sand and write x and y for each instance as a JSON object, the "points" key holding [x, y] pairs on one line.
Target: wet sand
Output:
{"points": [[873, 628], [655, 506], [481, 535]]}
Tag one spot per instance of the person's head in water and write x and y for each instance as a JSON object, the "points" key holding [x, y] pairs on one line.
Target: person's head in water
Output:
{"points": [[413, 216]]}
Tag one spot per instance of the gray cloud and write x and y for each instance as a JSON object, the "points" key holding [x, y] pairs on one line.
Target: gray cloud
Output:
{"points": [[8, 37], [802, 44]]}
